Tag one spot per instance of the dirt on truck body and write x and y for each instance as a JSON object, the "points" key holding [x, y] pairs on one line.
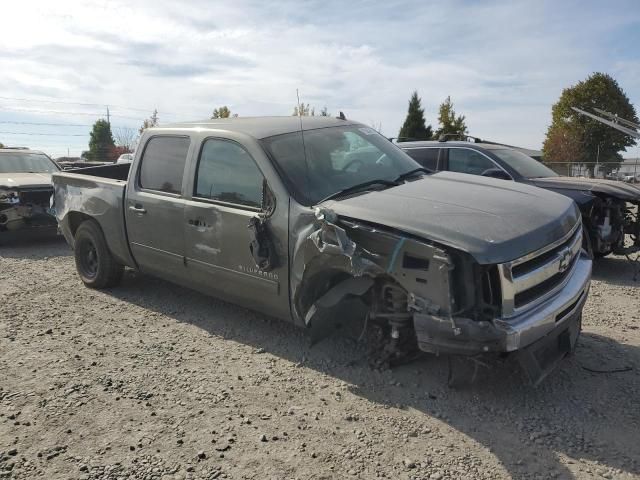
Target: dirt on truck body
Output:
{"points": [[303, 219]]}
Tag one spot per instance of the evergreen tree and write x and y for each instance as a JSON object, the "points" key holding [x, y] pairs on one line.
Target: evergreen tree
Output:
{"points": [[414, 126], [449, 123], [598, 142], [101, 144]]}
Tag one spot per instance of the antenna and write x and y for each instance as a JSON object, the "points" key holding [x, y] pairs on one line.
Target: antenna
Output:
{"points": [[304, 147]]}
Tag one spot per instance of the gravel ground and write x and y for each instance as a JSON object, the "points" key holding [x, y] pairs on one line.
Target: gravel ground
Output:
{"points": [[152, 381]]}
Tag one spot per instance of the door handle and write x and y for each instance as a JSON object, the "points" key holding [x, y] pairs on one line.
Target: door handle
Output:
{"points": [[137, 209]]}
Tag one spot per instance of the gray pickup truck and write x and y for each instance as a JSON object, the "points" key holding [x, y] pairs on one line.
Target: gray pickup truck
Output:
{"points": [[302, 218]]}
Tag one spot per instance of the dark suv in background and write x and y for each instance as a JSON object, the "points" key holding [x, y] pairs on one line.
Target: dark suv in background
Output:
{"points": [[609, 208]]}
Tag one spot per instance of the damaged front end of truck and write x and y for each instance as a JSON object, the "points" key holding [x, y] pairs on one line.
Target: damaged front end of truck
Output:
{"points": [[433, 298], [25, 208], [610, 211], [614, 225]]}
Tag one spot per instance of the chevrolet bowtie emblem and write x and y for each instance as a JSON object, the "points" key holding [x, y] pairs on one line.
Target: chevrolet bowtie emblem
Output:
{"points": [[565, 260]]}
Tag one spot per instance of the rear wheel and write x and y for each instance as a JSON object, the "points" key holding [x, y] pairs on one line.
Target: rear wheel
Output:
{"points": [[95, 265]]}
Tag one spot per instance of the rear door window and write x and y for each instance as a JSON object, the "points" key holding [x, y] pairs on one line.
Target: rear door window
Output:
{"points": [[227, 173], [465, 160], [427, 157], [163, 162]]}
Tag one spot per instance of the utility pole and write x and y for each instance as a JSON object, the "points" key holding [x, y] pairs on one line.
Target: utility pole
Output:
{"points": [[108, 118]]}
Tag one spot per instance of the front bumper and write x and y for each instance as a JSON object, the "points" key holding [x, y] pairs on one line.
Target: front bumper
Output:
{"points": [[464, 336], [21, 217]]}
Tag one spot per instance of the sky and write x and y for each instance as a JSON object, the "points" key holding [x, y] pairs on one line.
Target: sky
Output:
{"points": [[504, 63]]}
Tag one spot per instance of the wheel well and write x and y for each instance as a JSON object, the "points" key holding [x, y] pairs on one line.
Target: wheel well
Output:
{"points": [[75, 219], [316, 286]]}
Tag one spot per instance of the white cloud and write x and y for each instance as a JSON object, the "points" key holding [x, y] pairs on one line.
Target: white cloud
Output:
{"points": [[503, 64]]}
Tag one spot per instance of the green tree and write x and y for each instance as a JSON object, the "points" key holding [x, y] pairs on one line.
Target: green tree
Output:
{"points": [[101, 144], [414, 126], [1, 145], [150, 122], [449, 123], [222, 112], [562, 147], [599, 142]]}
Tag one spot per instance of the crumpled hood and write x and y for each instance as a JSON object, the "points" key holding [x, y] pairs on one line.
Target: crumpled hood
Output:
{"points": [[493, 220], [25, 180], [623, 191]]}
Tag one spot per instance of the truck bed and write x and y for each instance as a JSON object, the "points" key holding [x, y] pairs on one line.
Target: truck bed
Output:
{"points": [[94, 193], [114, 171]]}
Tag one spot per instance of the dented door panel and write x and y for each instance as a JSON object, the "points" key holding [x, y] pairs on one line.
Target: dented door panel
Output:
{"points": [[218, 256], [218, 240]]}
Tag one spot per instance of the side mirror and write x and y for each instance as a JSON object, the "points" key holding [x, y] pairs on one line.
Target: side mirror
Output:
{"points": [[496, 173]]}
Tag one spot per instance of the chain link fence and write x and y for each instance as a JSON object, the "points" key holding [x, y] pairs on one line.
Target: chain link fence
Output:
{"points": [[628, 172]]}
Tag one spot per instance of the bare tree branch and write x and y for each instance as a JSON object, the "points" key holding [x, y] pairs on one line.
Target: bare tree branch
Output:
{"points": [[125, 137]]}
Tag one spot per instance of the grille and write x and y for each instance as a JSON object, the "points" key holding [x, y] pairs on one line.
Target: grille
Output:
{"points": [[530, 294], [528, 281], [39, 196]]}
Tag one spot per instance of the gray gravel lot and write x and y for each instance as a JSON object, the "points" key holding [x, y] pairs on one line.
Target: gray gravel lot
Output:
{"points": [[152, 381]]}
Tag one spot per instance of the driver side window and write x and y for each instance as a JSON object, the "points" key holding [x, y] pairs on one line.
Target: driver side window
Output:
{"points": [[465, 160], [227, 173]]}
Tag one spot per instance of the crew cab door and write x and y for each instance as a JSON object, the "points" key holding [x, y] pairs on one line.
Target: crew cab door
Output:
{"points": [[227, 191], [154, 207]]}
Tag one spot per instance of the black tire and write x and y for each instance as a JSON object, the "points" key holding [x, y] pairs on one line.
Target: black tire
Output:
{"points": [[94, 263], [587, 244]]}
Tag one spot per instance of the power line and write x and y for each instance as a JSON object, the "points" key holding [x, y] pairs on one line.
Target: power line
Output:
{"points": [[48, 124], [76, 103], [48, 134], [57, 112]]}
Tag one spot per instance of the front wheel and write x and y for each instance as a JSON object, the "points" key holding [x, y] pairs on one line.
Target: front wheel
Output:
{"points": [[95, 265]]}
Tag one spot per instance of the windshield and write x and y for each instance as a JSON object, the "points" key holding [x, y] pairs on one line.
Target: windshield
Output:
{"points": [[523, 164], [336, 158], [20, 162]]}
